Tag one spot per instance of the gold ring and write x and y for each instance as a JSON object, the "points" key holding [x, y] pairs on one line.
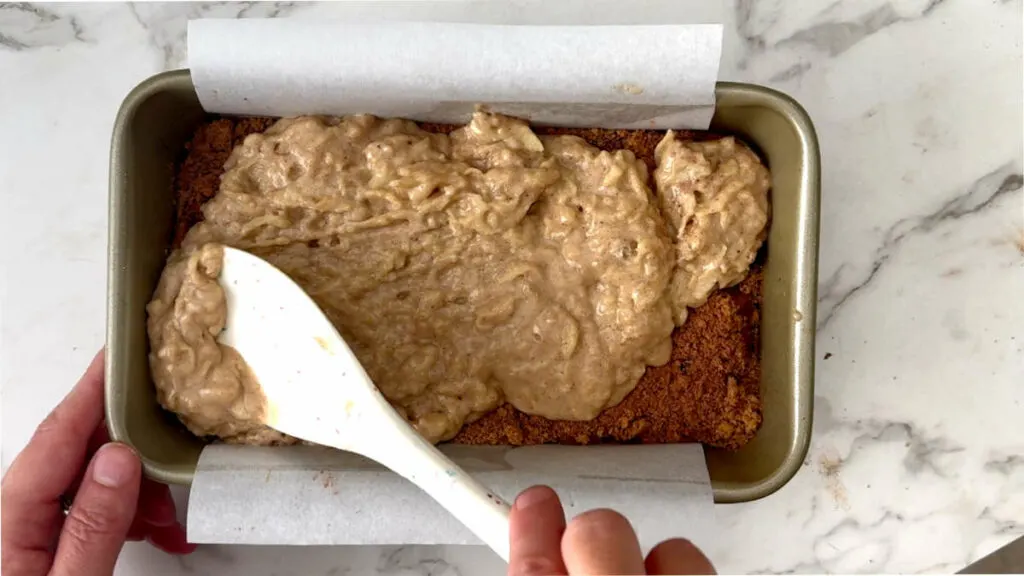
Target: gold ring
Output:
{"points": [[65, 504]]}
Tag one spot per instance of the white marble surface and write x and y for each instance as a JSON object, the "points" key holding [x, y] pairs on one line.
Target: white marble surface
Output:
{"points": [[917, 460]]}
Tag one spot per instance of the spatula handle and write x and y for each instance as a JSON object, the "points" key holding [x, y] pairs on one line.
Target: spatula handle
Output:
{"points": [[485, 513]]}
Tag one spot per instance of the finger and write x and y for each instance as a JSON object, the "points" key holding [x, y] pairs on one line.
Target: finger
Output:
{"points": [[536, 525], [99, 437], [100, 516], [46, 468], [601, 542], [171, 539], [678, 556], [156, 520], [155, 510], [156, 507]]}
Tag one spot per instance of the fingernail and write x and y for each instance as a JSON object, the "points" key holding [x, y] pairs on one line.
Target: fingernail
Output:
{"points": [[114, 465], [533, 496]]}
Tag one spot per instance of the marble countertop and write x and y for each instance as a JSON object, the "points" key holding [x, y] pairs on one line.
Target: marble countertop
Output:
{"points": [[917, 459]]}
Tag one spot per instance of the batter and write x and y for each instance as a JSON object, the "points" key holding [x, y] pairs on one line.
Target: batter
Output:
{"points": [[463, 270]]}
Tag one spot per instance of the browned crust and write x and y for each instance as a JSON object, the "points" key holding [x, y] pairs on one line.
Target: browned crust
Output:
{"points": [[708, 392]]}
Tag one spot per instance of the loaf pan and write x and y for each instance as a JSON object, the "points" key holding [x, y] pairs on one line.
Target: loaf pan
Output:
{"points": [[159, 116]]}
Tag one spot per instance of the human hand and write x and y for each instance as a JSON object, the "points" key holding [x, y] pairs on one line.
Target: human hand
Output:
{"points": [[70, 459], [595, 542]]}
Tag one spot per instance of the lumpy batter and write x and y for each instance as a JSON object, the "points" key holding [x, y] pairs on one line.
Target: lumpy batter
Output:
{"points": [[208, 385], [714, 196], [462, 270]]}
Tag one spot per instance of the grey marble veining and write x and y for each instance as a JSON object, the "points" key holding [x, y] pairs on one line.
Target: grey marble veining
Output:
{"points": [[165, 23], [982, 194], [916, 460], [28, 26]]}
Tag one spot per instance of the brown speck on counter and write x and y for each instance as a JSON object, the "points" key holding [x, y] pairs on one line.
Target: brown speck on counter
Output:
{"points": [[708, 392], [829, 467], [828, 355]]}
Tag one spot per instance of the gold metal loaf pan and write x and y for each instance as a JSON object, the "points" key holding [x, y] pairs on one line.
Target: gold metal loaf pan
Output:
{"points": [[159, 115]]}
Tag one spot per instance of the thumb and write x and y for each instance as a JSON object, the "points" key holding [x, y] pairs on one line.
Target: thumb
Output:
{"points": [[101, 514]]}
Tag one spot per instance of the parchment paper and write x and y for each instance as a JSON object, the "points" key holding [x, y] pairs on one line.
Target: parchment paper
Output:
{"points": [[604, 76], [591, 76], [311, 495]]}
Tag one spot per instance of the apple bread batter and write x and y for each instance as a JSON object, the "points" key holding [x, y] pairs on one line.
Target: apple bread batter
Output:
{"points": [[462, 270], [714, 197]]}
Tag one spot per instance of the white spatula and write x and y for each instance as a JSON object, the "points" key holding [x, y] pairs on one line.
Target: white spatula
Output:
{"points": [[317, 390]]}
